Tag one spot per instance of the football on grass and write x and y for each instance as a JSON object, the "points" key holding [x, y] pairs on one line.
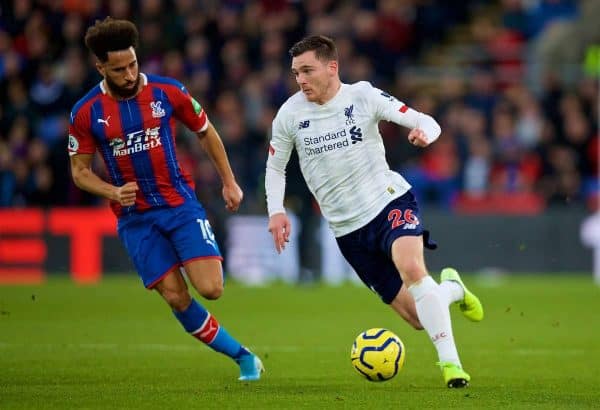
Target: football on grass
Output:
{"points": [[377, 354]]}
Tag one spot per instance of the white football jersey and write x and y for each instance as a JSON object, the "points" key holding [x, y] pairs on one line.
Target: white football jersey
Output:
{"points": [[341, 152]]}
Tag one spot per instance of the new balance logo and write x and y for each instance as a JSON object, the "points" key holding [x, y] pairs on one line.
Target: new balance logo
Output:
{"points": [[355, 134], [103, 121], [303, 124]]}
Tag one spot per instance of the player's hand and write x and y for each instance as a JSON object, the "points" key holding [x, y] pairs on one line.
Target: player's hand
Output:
{"points": [[280, 227], [125, 194], [233, 195], [417, 138]]}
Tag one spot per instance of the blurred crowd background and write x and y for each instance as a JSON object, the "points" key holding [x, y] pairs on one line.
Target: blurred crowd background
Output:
{"points": [[514, 84]]}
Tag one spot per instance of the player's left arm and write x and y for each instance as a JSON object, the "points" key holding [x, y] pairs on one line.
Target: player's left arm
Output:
{"points": [[213, 145], [424, 128], [190, 112]]}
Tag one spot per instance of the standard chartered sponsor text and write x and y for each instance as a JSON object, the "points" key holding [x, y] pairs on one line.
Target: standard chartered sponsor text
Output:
{"points": [[322, 142]]}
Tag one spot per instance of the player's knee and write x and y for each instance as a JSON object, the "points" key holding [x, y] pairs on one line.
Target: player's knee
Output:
{"points": [[412, 270], [212, 291], [177, 300]]}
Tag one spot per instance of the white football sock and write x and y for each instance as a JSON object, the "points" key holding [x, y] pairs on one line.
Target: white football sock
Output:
{"points": [[435, 317], [451, 291]]}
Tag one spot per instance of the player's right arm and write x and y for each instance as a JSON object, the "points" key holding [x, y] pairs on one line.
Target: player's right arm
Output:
{"points": [[280, 149], [81, 148], [86, 179]]}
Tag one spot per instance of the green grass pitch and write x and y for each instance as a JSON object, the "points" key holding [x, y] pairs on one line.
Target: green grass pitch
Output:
{"points": [[116, 345]]}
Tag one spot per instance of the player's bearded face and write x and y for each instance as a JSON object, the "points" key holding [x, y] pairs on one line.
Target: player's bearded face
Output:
{"points": [[121, 73], [126, 90]]}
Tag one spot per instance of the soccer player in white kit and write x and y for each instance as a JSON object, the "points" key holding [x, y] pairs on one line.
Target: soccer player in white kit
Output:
{"points": [[373, 214]]}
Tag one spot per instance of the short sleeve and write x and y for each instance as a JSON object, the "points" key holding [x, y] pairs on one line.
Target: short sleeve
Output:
{"points": [[81, 140], [187, 109]]}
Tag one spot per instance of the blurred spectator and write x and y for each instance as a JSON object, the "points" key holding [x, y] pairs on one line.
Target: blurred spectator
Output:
{"points": [[7, 177], [529, 117], [477, 167], [561, 182], [482, 93], [436, 178], [515, 169], [478, 158]]}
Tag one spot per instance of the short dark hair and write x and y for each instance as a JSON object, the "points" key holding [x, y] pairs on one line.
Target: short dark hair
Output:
{"points": [[323, 46], [111, 35]]}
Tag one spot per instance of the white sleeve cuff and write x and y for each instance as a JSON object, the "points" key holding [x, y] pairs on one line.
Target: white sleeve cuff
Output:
{"points": [[429, 126]]}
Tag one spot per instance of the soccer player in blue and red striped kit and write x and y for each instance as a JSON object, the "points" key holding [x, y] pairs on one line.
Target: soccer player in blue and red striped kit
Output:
{"points": [[130, 119]]}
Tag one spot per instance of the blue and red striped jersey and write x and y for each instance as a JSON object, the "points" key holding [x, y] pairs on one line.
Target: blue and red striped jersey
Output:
{"points": [[136, 138]]}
